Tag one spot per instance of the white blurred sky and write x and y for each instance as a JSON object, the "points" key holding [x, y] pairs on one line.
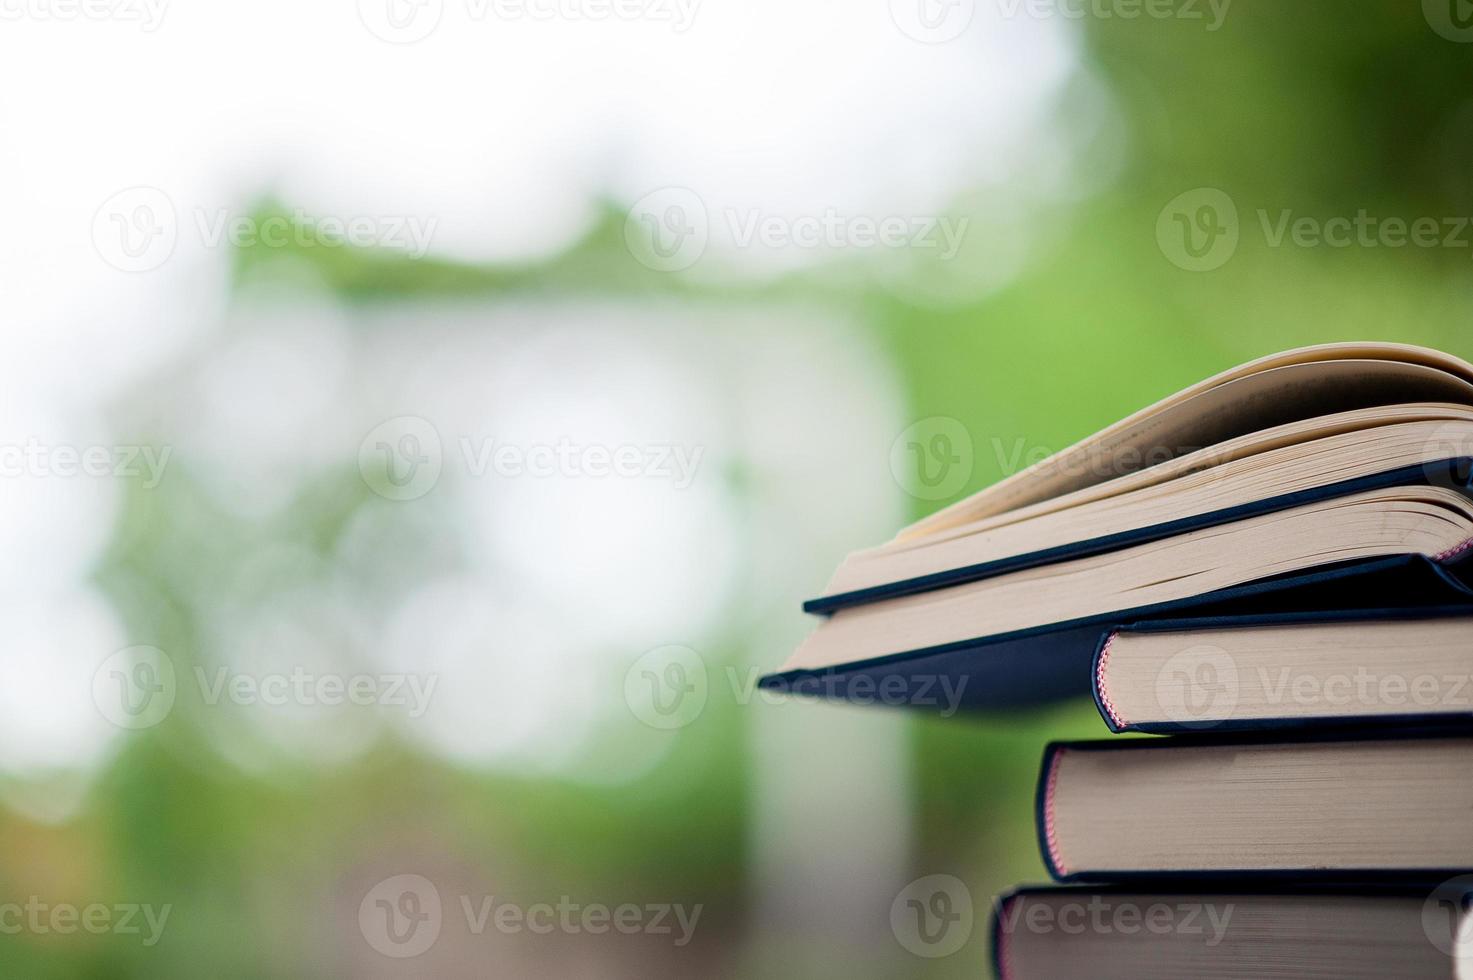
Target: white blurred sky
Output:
{"points": [[506, 134]]}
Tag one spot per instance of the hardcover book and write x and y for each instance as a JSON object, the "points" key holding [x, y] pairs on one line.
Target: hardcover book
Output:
{"points": [[1350, 934], [1391, 808], [1365, 667]]}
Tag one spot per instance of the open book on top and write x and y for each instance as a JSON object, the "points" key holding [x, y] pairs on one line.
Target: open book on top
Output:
{"points": [[1238, 493]]}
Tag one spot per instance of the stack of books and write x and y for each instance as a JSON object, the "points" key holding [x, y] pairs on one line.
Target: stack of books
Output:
{"points": [[1274, 568]]}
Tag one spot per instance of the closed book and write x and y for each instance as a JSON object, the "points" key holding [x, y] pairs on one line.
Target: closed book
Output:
{"points": [[1332, 807], [1358, 668], [1352, 933]]}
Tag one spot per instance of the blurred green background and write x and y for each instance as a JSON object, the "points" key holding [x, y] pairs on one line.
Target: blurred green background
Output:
{"points": [[792, 825]]}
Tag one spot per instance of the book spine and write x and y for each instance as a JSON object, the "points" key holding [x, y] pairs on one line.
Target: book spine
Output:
{"points": [[1002, 962], [1099, 687], [1047, 827]]}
